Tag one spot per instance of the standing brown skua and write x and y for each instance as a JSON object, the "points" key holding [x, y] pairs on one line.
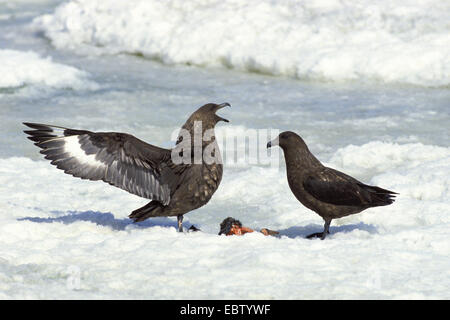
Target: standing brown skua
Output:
{"points": [[328, 192]]}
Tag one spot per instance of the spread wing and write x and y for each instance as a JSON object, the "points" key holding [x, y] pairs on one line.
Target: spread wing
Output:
{"points": [[334, 187], [117, 158]]}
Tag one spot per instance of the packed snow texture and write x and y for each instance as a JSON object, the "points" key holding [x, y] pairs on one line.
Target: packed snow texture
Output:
{"points": [[63, 237], [22, 68], [324, 40]]}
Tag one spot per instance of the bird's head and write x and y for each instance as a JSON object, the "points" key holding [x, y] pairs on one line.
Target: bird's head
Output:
{"points": [[207, 115], [201, 123], [287, 139]]}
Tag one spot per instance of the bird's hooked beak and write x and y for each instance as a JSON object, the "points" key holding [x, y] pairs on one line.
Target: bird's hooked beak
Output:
{"points": [[273, 143], [220, 106]]}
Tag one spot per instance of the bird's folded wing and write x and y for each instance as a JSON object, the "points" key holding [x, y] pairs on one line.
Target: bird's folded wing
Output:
{"points": [[116, 158], [329, 187]]}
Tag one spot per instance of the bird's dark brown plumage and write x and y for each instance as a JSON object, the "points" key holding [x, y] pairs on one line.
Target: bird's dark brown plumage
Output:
{"points": [[140, 168], [330, 193]]}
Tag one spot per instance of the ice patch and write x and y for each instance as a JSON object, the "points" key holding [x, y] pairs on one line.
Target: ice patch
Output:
{"points": [[326, 40], [21, 68], [377, 157]]}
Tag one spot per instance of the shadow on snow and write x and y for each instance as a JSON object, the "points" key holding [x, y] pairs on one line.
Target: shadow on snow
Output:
{"points": [[293, 232], [103, 219], [107, 219]]}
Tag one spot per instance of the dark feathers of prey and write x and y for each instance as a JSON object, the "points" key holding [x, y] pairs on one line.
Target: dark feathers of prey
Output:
{"points": [[326, 191], [226, 224], [133, 165]]}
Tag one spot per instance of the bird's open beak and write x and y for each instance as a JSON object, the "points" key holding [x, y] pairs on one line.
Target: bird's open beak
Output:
{"points": [[223, 105], [220, 106], [272, 143]]}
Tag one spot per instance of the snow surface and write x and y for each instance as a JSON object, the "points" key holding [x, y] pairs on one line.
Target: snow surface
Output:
{"points": [[19, 69], [65, 238], [405, 41]]}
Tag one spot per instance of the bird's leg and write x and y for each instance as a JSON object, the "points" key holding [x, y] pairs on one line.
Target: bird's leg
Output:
{"points": [[180, 223], [323, 234], [325, 229]]}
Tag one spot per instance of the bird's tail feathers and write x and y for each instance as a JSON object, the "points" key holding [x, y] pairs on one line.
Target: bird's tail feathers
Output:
{"points": [[380, 196], [147, 211]]}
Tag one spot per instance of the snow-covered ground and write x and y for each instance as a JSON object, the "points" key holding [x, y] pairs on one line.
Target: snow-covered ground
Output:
{"points": [[22, 68], [321, 40], [366, 84]]}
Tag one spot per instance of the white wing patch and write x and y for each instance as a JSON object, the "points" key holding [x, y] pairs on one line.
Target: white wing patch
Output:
{"points": [[72, 146]]}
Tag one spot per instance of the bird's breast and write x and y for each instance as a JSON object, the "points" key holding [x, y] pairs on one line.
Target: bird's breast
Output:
{"points": [[203, 181], [211, 176], [295, 182]]}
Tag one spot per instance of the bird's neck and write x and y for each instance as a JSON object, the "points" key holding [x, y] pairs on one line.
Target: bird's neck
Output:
{"points": [[300, 159], [199, 133], [198, 146], [197, 138]]}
